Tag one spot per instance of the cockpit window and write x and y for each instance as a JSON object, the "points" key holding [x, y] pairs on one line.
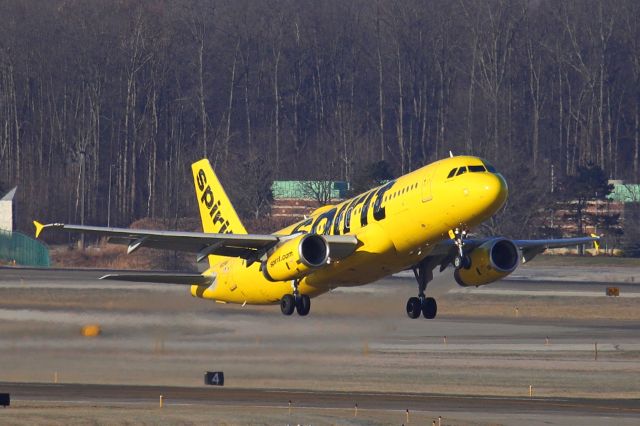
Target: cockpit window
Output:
{"points": [[489, 166], [451, 173], [475, 169], [461, 170]]}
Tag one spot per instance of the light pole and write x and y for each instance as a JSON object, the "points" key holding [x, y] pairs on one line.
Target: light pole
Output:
{"points": [[109, 198]]}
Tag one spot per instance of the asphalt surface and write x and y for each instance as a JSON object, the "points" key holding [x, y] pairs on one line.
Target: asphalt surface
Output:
{"points": [[157, 333], [91, 393], [525, 282]]}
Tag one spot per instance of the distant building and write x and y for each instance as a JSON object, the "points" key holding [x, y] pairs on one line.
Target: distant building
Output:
{"points": [[306, 189], [563, 218], [624, 192], [7, 211], [293, 199]]}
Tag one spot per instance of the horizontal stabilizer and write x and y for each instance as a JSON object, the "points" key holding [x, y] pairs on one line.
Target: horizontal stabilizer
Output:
{"points": [[181, 279]]}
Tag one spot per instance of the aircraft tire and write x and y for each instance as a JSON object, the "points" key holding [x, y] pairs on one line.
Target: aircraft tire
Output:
{"points": [[303, 305], [287, 304], [429, 308], [460, 262], [413, 307]]}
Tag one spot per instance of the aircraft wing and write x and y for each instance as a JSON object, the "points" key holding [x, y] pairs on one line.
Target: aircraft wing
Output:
{"points": [[444, 252], [247, 246], [532, 248]]}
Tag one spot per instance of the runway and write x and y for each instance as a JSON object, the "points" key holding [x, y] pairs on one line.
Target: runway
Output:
{"points": [[474, 363], [92, 393]]}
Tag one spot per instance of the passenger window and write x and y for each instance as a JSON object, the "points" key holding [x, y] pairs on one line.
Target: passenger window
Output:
{"points": [[452, 173], [475, 169], [461, 170]]}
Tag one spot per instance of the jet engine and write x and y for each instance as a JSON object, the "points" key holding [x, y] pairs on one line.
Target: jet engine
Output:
{"points": [[296, 258], [489, 262]]}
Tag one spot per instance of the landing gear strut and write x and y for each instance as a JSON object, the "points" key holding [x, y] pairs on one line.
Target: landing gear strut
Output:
{"points": [[422, 304], [298, 302], [461, 260]]}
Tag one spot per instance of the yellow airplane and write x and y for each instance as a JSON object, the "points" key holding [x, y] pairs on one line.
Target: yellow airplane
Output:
{"points": [[418, 221]]}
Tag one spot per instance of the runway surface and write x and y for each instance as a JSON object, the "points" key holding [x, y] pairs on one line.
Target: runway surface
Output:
{"points": [[91, 393], [476, 360]]}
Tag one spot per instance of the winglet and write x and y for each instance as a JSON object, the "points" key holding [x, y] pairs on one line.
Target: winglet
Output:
{"points": [[39, 227], [596, 245]]}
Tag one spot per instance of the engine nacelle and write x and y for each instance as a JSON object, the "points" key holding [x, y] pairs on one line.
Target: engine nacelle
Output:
{"points": [[491, 261], [296, 258]]}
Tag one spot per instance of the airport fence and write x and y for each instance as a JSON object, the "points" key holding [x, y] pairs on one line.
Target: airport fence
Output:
{"points": [[16, 247]]}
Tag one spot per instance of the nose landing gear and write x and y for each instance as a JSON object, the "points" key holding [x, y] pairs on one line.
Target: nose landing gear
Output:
{"points": [[423, 272], [461, 260]]}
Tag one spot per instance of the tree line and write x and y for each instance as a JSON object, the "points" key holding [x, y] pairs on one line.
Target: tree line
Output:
{"points": [[104, 105]]}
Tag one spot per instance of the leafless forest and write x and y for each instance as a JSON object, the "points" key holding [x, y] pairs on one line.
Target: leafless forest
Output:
{"points": [[104, 104]]}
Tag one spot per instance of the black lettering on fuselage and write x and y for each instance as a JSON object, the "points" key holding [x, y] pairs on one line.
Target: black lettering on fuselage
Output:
{"points": [[365, 209], [329, 215], [338, 219], [346, 226], [378, 209], [354, 204], [303, 224]]}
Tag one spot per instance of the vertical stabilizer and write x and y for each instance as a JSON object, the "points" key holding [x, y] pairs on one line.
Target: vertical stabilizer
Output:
{"points": [[217, 214]]}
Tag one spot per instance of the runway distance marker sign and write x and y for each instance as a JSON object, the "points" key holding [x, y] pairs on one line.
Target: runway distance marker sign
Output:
{"points": [[214, 378]]}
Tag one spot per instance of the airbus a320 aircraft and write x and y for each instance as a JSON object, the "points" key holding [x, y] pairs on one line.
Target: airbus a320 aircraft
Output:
{"points": [[418, 221]]}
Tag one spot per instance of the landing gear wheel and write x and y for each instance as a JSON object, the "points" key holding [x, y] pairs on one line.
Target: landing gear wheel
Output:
{"points": [[460, 262], [429, 308], [287, 304], [413, 307], [424, 305], [303, 305]]}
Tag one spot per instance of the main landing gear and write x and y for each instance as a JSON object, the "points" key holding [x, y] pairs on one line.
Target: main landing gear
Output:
{"points": [[298, 302], [422, 304]]}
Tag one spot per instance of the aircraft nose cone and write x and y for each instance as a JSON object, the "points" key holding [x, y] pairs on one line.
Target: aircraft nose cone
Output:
{"points": [[495, 191], [490, 191]]}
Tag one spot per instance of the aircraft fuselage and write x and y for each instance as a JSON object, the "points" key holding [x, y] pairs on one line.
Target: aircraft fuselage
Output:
{"points": [[397, 225]]}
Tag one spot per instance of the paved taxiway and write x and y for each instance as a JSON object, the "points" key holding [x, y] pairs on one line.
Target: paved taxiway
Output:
{"points": [[92, 393]]}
